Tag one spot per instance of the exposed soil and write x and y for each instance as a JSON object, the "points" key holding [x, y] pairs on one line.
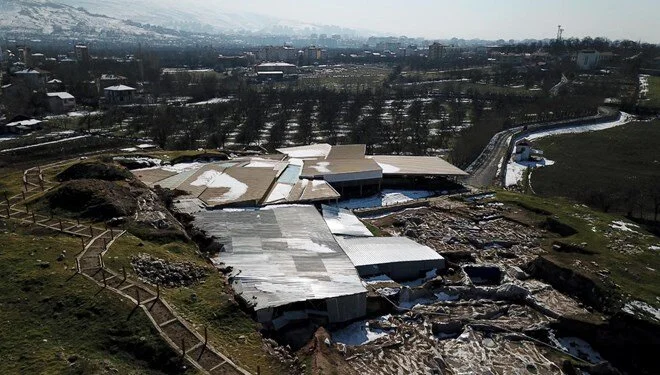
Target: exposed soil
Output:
{"points": [[94, 170]]}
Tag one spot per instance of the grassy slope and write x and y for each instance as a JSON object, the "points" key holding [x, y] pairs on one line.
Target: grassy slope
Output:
{"points": [[630, 272], [47, 316], [208, 304], [611, 160]]}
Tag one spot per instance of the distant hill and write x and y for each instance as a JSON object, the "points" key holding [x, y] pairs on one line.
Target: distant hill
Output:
{"points": [[44, 17], [205, 17]]}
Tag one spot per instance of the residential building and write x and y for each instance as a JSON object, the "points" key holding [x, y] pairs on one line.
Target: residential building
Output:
{"points": [[120, 94], [82, 54], [588, 59], [34, 79], [60, 102]]}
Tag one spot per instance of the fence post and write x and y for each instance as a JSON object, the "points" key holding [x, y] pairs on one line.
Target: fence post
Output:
{"points": [[183, 350], [78, 270], [91, 231], [157, 291], [101, 261], [123, 270], [61, 227], [105, 245], [34, 219], [23, 192], [8, 211], [105, 283], [137, 294]]}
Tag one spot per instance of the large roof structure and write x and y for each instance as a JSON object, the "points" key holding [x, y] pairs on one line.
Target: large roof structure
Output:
{"points": [[343, 222], [280, 255], [397, 257], [415, 165], [338, 170]]}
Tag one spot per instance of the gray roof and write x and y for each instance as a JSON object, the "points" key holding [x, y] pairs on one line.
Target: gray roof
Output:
{"points": [[416, 165], [280, 255], [344, 222], [365, 251]]}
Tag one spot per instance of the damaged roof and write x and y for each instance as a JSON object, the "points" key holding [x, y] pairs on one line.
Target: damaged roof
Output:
{"points": [[280, 255]]}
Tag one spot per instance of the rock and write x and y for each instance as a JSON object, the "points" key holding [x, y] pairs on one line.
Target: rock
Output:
{"points": [[61, 257], [411, 233], [43, 264], [72, 358]]}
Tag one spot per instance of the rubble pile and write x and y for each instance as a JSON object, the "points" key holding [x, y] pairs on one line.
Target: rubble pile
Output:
{"points": [[161, 272], [477, 232]]}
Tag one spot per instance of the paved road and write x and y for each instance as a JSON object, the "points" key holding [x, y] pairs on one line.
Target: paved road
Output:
{"points": [[484, 168]]}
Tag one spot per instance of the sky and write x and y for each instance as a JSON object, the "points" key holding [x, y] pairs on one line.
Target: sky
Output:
{"points": [[469, 19]]}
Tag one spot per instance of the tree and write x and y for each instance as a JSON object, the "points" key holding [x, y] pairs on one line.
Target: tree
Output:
{"points": [[419, 127], [305, 133]]}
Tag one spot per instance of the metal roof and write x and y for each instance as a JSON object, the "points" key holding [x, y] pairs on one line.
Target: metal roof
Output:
{"points": [[119, 88], [366, 251], [416, 165], [320, 150], [280, 255], [321, 168], [347, 152], [343, 222]]}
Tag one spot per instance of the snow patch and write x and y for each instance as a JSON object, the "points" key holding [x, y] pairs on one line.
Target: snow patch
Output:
{"points": [[358, 333], [623, 226], [387, 168], [643, 308], [321, 167], [215, 179], [516, 170]]}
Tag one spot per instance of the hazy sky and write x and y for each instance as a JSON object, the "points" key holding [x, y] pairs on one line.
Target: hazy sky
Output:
{"points": [[486, 19]]}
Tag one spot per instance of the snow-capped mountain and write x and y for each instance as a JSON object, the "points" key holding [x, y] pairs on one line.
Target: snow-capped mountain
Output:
{"points": [[202, 16], [57, 19]]}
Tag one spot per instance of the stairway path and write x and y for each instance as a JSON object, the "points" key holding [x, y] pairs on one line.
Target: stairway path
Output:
{"points": [[96, 241]]}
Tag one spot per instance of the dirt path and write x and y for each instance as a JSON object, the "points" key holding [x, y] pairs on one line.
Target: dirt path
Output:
{"points": [[96, 241]]}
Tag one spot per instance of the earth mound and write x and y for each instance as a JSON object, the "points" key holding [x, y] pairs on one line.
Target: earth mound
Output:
{"points": [[94, 170], [96, 199]]}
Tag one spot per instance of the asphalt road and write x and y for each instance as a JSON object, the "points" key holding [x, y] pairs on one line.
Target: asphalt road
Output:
{"points": [[483, 170]]}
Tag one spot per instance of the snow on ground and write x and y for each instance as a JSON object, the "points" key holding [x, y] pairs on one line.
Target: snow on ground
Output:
{"points": [[516, 170], [430, 275], [643, 86], [624, 119], [385, 198], [623, 226], [439, 297], [210, 101], [643, 308], [579, 348], [358, 333], [377, 279], [215, 179], [654, 248]]}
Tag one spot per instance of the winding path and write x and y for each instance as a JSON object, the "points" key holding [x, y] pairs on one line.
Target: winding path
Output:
{"points": [[95, 243]]}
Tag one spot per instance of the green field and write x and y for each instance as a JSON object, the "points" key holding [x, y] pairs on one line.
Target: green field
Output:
{"points": [[616, 170], [56, 323]]}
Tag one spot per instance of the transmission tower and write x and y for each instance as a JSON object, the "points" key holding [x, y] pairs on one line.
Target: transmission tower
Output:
{"points": [[560, 31]]}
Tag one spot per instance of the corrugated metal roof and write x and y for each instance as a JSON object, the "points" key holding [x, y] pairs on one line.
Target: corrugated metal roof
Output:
{"points": [[343, 222], [416, 165], [320, 150], [347, 152], [320, 168], [365, 251], [280, 255]]}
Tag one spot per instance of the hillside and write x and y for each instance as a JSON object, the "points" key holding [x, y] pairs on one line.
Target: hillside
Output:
{"points": [[203, 16], [42, 17]]}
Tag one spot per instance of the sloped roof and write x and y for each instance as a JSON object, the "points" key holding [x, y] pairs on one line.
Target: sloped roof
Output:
{"points": [[280, 256], [365, 251], [61, 95], [416, 165], [119, 88]]}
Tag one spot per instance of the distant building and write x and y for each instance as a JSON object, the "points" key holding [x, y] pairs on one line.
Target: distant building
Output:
{"points": [[108, 80], [437, 51], [60, 102], [22, 125], [588, 59], [278, 53], [55, 85], [119, 94], [82, 54], [34, 79], [283, 67], [525, 152]]}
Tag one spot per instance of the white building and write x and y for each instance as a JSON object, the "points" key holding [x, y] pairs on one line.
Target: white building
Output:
{"points": [[525, 152], [60, 102], [588, 59], [120, 94]]}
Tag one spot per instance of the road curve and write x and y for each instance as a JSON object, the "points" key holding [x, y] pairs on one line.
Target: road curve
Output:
{"points": [[484, 168]]}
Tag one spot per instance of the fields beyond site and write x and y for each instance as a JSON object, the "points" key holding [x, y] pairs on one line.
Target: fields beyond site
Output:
{"points": [[613, 170]]}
